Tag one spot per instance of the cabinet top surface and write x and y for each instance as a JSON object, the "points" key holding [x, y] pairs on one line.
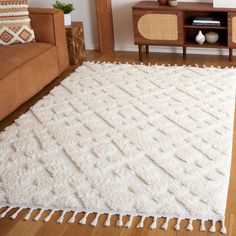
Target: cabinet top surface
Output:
{"points": [[74, 24], [186, 6]]}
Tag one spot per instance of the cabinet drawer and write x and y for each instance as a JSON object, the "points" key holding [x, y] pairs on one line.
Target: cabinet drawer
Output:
{"points": [[155, 27], [232, 30]]}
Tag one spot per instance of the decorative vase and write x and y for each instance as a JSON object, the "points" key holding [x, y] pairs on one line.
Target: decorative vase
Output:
{"points": [[173, 3], [163, 2], [67, 19], [212, 37], [200, 38]]}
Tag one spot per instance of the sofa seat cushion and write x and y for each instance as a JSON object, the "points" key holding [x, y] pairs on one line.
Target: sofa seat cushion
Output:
{"points": [[13, 56], [24, 71]]}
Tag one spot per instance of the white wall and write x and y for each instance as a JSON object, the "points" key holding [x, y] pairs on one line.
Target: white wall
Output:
{"points": [[86, 12]]}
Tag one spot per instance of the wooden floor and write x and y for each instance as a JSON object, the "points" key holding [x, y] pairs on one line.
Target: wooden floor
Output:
{"points": [[19, 227]]}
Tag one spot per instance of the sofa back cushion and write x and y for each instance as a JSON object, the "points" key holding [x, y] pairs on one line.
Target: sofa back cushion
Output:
{"points": [[15, 22]]}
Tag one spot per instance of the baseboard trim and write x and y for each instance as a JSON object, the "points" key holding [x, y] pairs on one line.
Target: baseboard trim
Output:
{"points": [[165, 49]]}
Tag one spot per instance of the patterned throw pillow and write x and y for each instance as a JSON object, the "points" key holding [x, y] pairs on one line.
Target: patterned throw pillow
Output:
{"points": [[15, 22]]}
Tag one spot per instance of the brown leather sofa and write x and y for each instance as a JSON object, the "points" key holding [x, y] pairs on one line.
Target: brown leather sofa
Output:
{"points": [[26, 68]]}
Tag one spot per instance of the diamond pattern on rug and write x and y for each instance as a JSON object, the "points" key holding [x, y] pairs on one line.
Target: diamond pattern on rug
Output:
{"points": [[125, 139]]}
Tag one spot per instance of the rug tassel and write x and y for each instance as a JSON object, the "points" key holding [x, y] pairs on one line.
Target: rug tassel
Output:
{"points": [[16, 213], [165, 225], [37, 217], [177, 226], [5, 212], [141, 223], [49, 216], [202, 228], [223, 228], [154, 223], [190, 225], [27, 217], [95, 221], [84, 219], [108, 220], [213, 227], [61, 218], [129, 223], [120, 222], [72, 219]]}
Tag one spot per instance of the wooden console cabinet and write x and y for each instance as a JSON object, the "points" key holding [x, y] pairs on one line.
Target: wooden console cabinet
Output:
{"points": [[172, 26]]}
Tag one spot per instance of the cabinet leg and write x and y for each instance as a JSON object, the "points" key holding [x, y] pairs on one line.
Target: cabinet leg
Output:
{"points": [[147, 49], [230, 54], [140, 50], [184, 52]]}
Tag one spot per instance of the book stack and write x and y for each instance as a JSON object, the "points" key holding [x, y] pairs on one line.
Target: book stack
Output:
{"points": [[206, 21]]}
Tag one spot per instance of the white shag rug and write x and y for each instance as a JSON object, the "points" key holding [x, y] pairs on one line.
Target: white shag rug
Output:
{"points": [[150, 141]]}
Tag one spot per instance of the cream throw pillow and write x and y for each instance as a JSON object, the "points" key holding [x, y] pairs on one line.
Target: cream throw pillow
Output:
{"points": [[15, 22]]}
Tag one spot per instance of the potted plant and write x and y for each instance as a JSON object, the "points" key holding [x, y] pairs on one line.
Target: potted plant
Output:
{"points": [[67, 8]]}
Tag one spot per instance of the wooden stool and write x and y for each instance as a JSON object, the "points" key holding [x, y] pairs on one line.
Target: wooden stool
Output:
{"points": [[75, 42]]}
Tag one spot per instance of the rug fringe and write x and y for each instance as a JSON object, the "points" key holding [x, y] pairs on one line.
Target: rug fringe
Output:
{"points": [[95, 221], [84, 219], [37, 217], [153, 226], [119, 223], [5, 212], [49, 216], [61, 218], [141, 223], [213, 227], [27, 217], [165, 65], [177, 226], [72, 219], [190, 225], [108, 220], [13, 217], [166, 224], [223, 228], [129, 223], [202, 227]]}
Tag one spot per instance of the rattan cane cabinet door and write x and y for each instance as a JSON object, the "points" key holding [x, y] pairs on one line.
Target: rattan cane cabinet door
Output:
{"points": [[157, 27], [232, 30]]}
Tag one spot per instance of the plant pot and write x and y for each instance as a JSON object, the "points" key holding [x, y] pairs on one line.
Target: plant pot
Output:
{"points": [[67, 19], [163, 2], [173, 3]]}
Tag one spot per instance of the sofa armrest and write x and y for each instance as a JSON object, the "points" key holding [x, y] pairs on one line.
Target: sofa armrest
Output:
{"points": [[48, 26]]}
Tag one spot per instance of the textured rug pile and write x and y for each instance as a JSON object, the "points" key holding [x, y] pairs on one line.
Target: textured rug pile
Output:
{"points": [[136, 140]]}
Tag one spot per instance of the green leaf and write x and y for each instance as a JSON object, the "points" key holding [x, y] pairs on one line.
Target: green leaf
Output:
{"points": [[65, 7]]}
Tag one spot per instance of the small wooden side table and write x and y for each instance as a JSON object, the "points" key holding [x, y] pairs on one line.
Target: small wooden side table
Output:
{"points": [[75, 42]]}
